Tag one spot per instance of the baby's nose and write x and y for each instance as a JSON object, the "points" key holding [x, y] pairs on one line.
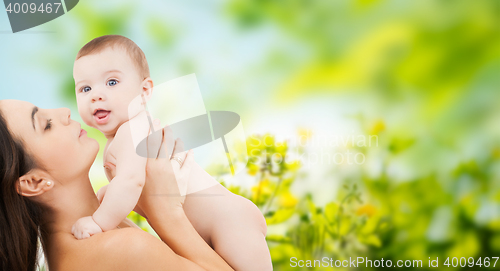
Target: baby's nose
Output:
{"points": [[97, 96]]}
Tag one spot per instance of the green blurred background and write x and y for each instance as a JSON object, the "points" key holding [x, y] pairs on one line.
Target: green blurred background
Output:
{"points": [[421, 77]]}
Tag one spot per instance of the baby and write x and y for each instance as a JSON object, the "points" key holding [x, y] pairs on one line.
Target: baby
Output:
{"points": [[109, 72]]}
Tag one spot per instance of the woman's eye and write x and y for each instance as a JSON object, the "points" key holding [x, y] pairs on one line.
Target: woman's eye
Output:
{"points": [[49, 124], [112, 82], [85, 89]]}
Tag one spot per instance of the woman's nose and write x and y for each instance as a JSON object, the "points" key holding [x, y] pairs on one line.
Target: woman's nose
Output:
{"points": [[65, 114]]}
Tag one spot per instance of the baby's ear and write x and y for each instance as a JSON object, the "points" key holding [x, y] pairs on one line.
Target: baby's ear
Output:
{"points": [[147, 88]]}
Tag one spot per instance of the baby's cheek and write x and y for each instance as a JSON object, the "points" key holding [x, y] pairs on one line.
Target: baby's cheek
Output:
{"points": [[82, 104], [86, 116], [87, 120]]}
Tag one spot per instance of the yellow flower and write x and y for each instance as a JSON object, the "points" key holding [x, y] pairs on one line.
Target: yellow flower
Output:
{"points": [[366, 209], [304, 135], [263, 189], [295, 165], [253, 169], [378, 127], [287, 200]]}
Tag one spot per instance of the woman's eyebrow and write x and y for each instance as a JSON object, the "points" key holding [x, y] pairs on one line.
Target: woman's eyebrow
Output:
{"points": [[33, 112]]}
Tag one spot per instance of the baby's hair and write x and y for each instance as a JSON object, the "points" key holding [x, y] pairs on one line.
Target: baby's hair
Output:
{"points": [[136, 54]]}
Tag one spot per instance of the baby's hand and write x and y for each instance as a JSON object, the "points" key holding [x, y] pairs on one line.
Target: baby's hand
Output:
{"points": [[85, 227]]}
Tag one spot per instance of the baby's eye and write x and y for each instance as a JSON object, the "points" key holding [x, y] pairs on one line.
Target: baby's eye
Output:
{"points": [[85, 89], [112, 82]]}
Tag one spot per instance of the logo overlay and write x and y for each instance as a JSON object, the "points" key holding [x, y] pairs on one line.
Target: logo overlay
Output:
{"points": [[30, 13], [217, 136]]}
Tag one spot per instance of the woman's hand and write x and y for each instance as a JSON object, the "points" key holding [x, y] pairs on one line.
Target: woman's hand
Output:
{"points": [[162, 199], [166, 181]]}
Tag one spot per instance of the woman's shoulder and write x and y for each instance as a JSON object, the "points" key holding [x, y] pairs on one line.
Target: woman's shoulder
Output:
{"points": [[121, 249], [126, 243], [123, 238]]}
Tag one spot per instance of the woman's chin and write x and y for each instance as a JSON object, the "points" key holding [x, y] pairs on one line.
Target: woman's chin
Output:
{"points": [[95, 146]]}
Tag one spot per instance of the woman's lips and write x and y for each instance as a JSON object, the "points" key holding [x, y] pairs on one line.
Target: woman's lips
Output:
{"points": [[102, 116], [82, 132]]}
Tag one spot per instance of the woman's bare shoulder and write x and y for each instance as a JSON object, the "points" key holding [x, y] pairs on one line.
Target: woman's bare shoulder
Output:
{"points": [[120, 249], [121, 239]]}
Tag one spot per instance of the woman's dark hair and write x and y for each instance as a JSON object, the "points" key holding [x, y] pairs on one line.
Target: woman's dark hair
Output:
{"points": [[20, 217]]}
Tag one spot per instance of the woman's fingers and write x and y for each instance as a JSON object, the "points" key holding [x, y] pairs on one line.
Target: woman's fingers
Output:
{"points": [[179, 155], [177, 160], [178, 147], [184, 172], [168, 144], [156, 124], [168, 137], [160, 143], [188, 161], [161, 151], [153, 144]]}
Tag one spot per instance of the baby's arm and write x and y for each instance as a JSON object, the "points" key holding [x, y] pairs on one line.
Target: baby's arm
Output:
{"points": [[122, 192]]}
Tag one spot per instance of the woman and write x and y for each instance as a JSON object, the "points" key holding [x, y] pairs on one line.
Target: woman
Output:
{"points": [[45, 159]]}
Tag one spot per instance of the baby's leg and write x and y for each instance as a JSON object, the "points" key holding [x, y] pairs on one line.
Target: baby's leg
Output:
{"points": [[232, 225]]}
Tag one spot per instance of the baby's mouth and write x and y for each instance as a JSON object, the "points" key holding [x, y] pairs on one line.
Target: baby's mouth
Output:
{"points": [[101, 116]]}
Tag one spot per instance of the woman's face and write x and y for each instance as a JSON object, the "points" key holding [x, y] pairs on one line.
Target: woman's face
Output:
{"points": [[57, 142]]}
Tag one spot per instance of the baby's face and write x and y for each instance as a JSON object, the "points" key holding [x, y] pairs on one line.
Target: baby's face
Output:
{"points": [[105, 84]]}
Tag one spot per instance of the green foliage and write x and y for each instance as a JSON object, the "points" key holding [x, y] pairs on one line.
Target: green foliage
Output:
{"points": [[377, 218], [342, 226]]}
